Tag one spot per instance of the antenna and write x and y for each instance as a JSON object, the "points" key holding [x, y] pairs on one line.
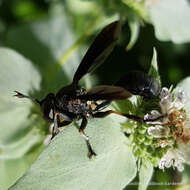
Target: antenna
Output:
{"points": [[20, 95]]}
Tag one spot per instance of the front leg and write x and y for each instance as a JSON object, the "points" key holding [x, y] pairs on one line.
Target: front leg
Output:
{"points": [[58, 124], [54, 130], [81, 131], [64, 123], [103, 105], [56, 121]]}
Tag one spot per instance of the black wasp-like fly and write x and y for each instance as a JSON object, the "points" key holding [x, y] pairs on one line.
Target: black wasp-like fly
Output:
{"points": [[73, 102]]}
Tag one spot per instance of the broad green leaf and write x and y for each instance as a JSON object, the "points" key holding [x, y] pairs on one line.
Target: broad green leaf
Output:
{"points": [[153, 71], [16, 73], [18, 134], [15, 156], [64, 163], [171, 20], [45, 42], [145, 175]]}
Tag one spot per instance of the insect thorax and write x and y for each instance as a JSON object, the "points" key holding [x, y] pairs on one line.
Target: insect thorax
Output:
{"points": [[72, 104]]}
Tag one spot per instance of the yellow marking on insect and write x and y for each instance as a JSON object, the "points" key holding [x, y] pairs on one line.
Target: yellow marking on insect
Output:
{"points": [[89, 102], [61, 120], [93, 106]]}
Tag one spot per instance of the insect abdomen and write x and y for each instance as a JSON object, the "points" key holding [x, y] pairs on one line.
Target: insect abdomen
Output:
{"points": [[139, 83]]}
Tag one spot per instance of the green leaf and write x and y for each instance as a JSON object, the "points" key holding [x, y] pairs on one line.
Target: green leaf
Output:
{"points": [[15, 68], [16, 135], [64, 163], [145, 175], [171, 20], [16, 73], [153, 71], [44, 43]]}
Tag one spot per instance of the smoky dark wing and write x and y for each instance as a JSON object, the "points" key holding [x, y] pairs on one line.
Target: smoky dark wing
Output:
{"points": [[139, 83], [106, 92], [99, 50]]}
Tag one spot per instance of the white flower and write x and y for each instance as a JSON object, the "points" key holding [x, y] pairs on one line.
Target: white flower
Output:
{"points": [[171, 128], [174, 158], [158, 131]]}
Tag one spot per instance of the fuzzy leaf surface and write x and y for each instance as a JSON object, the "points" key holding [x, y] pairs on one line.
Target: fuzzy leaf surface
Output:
{"points": [[64, 163]]}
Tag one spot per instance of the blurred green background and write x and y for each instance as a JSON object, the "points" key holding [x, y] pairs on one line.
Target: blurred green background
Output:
{"points": [[85, 18], [173, 58]]}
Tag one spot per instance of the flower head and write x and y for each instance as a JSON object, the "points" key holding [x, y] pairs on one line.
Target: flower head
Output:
{"points": [[173, 157], [170, 127]]}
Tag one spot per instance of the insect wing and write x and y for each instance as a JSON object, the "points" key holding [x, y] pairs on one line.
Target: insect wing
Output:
{"points": [[106, 92], [139, 83], [99, 50]]}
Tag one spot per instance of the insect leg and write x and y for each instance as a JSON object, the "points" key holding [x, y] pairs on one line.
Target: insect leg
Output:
{"points": [[64, 123], [81, 131], [55, 130], [103, 105], [106, 113]]}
